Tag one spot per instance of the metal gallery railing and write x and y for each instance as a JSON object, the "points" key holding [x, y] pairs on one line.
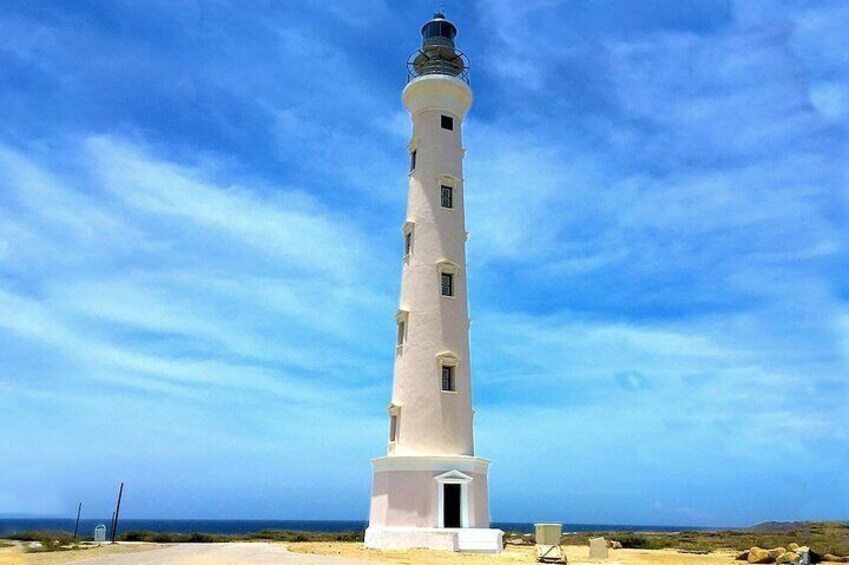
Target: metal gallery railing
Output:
{"points": [[420, 63]]}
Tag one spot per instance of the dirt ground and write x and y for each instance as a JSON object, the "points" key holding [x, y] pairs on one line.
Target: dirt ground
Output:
{"points": [[514, 555], [16, 556], [232, 553]]}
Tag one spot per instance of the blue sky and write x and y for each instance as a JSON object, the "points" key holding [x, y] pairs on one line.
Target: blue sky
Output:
{"points": [[200, 206]]}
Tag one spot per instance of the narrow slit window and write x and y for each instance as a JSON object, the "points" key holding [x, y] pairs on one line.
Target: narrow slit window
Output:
{"points": [[447, 122], [408, 243], [402, 332], [447, 196], [393, 427], [413, 160], [447, 284], [447, 378]]}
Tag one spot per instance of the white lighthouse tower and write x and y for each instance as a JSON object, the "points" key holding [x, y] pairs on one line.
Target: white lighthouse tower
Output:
{"points": [[430, 491]]}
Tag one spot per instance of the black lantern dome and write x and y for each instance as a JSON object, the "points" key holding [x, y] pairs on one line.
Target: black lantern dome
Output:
{"points": [[438, 54], [438, 31]]}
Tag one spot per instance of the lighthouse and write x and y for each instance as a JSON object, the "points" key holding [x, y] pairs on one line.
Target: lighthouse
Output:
{"points": [[430, 490]]}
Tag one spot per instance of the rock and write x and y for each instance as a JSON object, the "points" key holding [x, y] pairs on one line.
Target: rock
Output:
{"points": [[742, 556], [615, 544], [598, 548], [758, 555], [777, 552], [519, 539], [831, 558], [788, 557]]}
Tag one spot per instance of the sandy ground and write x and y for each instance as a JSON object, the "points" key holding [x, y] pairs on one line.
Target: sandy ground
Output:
{"points": [[514, 555], [16, 556], [337, 553], [253, 553]]}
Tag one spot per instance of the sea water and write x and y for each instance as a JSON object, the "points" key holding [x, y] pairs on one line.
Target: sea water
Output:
{"points": [[87, 525]]}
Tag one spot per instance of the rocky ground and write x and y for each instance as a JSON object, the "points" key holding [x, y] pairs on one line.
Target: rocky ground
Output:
{"points": [[826, 540]]}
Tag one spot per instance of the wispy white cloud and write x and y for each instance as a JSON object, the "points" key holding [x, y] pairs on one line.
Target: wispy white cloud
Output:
{"points": [[137, 296], [673, 250], [199, 245], [287, 227]]}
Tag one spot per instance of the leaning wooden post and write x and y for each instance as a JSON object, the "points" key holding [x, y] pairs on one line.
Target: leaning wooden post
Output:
{"points": [[77, 525], [117, 512]]}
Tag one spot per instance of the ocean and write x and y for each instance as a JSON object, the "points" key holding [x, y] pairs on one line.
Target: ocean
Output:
{"points": [[87, 525]]}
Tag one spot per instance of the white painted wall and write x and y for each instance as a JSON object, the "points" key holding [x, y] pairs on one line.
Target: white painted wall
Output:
{"points": [[434, 439], [406, 491], [433, 422]]}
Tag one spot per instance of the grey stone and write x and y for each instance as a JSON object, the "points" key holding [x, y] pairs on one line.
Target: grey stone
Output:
{"points": [[598, 548]]}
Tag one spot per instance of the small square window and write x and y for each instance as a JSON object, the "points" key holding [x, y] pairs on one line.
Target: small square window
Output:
{"points": [[447, 196], [447, 122], [408, 243], [447, 284], [447, 378], [413, 160]]}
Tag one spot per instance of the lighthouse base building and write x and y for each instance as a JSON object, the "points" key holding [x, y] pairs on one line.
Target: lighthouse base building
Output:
{"points": [[431, 502], [430, 490]]}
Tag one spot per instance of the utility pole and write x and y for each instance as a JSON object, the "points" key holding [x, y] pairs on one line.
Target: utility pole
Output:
{"points": [[117, 512], [77, 525]]}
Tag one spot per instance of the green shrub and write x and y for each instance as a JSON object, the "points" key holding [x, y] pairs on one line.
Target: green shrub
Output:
{"points": [[198, 537], [49, 540], [45, 537], [290, 536], [637, 541], [136, 535], [822, 537], [168, 537]]}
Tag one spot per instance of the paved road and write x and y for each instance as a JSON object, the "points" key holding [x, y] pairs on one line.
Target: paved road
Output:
{"points": [[221, 554]]}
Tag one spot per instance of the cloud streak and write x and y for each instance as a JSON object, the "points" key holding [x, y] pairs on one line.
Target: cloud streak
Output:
{"points": [[199, 247]]}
